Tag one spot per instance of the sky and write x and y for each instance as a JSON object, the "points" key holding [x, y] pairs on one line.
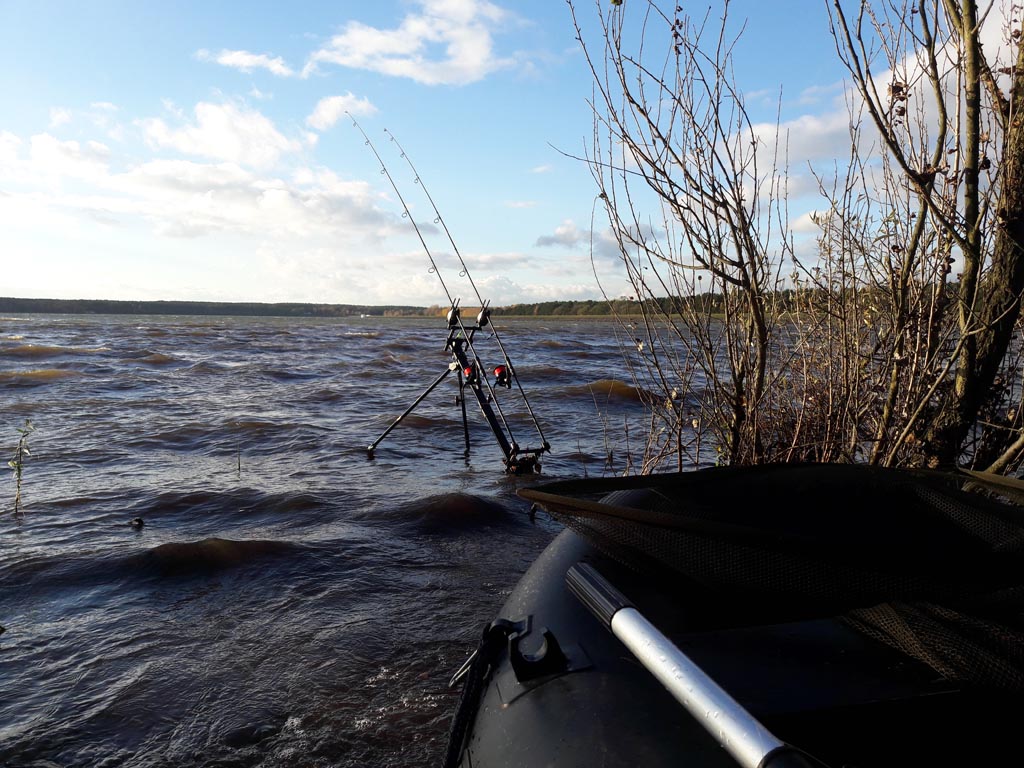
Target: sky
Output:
{"points": [[200, 151]]}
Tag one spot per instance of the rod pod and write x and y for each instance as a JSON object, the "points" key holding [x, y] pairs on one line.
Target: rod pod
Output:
{"points": [[459, 344]]}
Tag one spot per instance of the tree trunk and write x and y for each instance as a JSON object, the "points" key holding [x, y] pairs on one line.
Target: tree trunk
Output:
{"points": [[1001, 288]]}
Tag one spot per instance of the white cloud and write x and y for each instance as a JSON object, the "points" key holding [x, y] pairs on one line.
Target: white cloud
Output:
{"points": [[503, 290], [492, 260], [224, 132], [9, 146], [448, 42], [806, 224], [810, 137], [68, 158], [175, 227], [59, 116], [244, 61], [102, 114], [567, 234], [815, 94], [183, 198], [541, 169], [330, 109]]}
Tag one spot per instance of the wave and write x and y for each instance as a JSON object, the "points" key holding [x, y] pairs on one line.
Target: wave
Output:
{"points": [[609, 389], [326, 395], [419, 421], [277, 374], [155, 358], [534, 372], [243, 502], [447, 513], [41, 376], [71, 571], [213, 554], [256, 426], [387, 360], [185, 437], [208, 366], [35, 351], [392, 347]]}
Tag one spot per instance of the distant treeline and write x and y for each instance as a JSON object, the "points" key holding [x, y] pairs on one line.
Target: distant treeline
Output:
{"points": [[707, 302], [107, 307], [622, 306]]}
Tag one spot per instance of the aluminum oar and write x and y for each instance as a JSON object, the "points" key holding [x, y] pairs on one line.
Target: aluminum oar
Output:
{"points": [[739, 732]]}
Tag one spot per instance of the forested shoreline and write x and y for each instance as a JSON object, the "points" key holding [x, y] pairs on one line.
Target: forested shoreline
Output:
{"points": [[585, 308]]}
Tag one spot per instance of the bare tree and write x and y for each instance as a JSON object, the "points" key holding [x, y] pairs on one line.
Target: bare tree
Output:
{"points": [[960, 153], [872, 349]]}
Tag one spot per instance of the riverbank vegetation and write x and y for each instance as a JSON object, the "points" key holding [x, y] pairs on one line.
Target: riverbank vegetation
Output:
{"points": [[17, 463], [901, 345]]}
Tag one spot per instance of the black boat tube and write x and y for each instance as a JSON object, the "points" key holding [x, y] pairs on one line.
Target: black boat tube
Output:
{"points": [[739, 732]]}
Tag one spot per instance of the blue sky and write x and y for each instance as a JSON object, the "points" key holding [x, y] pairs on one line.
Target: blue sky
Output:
{"points": [[197, 150]]}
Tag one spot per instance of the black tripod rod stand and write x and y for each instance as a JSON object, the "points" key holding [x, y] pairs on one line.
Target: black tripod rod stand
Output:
{"points": [[460, 337]]}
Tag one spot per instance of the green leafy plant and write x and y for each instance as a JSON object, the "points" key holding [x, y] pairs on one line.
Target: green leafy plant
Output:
{"points": [[17, 463]]}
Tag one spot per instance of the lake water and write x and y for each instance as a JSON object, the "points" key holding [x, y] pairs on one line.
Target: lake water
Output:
{"points": [[287, 600]]}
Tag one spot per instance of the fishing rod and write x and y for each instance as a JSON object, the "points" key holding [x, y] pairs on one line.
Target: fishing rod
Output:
{"points": [[405, 208], [454, 315], [460, 339], [439, 219]]}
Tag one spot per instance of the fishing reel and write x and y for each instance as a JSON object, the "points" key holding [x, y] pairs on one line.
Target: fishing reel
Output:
{"points": [[503, 376]]}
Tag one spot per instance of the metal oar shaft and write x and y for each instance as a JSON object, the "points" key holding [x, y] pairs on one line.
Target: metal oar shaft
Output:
{"points": [[739, 732]]}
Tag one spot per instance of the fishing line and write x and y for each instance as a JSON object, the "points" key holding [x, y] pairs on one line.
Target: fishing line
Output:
{"points": [[454, 315], [439, 219], [406, 213]]}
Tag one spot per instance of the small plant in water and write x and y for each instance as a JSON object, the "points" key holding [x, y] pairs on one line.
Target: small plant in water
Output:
{"points": [[17, 463]]}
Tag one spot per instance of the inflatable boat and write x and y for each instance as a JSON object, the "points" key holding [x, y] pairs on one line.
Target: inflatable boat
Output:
{"points": [[775, 616]]}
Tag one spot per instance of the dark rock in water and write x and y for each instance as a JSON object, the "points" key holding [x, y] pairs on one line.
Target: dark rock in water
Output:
{"points": [[137, 523]]}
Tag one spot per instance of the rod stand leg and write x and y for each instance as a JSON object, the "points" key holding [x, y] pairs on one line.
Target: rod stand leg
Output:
{"points": [[370, 448]]}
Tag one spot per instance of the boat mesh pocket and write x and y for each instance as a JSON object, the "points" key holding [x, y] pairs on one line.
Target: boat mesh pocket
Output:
{"points": [[907, 557]]}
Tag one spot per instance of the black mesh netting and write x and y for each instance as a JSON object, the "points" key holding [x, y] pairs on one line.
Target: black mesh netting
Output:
{"points": [[910, 558]]}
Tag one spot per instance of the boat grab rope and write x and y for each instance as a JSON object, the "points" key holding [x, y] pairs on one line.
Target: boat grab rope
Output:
{"points": [[476, 671]]}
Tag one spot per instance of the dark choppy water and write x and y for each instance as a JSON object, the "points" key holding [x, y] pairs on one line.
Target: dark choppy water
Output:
{"points": [[287, 602]]}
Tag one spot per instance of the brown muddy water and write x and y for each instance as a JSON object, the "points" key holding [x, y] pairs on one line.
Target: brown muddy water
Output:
{"points": [[287, 601]]}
